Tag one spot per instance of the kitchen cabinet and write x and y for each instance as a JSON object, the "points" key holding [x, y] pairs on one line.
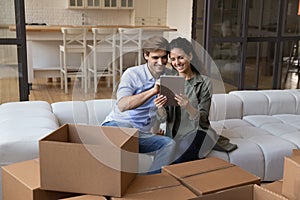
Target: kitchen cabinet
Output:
{"points": [[126, 4], [93, 4], [75, 3], [100, 4], [150, 12]]}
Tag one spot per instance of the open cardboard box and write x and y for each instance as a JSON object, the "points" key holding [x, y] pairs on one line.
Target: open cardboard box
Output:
{"points": [[22, 181], [210, 175], [89, 159]]}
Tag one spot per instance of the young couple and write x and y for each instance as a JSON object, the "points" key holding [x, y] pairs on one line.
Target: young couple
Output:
{"points": [[139, 104]]}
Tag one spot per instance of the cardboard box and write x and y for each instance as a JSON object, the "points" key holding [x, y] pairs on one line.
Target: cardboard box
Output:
{"points": [[247, 192], [213, 175], [22, 181], [291, 177], [86, 197], [89, 159], [175, 193]]}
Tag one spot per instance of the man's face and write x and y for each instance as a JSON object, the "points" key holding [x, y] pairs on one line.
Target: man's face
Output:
{"points": [[157, 61]]}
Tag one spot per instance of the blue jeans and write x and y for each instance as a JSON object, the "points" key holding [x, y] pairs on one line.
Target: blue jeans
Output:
{"points": [[161, 147]]}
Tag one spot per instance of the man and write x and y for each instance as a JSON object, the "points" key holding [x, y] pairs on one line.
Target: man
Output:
{"points": [[135, 106]]}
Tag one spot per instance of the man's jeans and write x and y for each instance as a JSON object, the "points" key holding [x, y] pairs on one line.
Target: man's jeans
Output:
{"points": [[161, 147]]}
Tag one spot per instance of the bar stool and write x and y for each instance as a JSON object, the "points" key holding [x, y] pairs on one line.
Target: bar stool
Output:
{"points": [[103, 65], [74, 42], [130, 41]]}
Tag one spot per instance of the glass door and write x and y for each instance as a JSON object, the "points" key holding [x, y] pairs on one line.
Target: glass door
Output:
{"points": [[254, 43], [13, 58]]}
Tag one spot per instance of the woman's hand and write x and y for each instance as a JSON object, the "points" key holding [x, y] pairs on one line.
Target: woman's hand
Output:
{"points": [[160, 101], [182, 100]]}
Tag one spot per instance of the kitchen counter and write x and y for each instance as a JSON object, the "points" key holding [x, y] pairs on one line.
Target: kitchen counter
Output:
{"points": [[43, 46], [57, 28]]}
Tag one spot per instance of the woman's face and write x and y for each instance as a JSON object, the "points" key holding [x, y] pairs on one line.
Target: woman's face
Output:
{"points": [[180, 60]]}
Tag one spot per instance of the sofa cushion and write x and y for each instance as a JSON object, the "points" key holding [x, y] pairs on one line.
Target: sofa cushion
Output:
{"points": [[22, 125], [71, 112]]}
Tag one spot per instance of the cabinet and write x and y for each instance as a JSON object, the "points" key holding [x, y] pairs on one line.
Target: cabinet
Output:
{"points": [[76, 4], [150, 12], [101, 4]]}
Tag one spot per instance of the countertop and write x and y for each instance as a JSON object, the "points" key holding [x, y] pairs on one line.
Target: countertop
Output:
{"points": [[55, 28]]}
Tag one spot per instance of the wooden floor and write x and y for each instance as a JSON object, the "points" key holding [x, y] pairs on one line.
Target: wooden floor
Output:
{"points": [[49, 90]]}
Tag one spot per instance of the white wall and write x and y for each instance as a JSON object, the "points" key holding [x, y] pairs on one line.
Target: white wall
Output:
{"points": [[179, 15], [55, 12]]}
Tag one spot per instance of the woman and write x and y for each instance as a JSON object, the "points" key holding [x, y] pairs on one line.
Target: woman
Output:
{"points": [[188, 123]]}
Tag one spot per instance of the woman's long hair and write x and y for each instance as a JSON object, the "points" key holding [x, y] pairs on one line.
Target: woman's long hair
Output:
{"points": [[182, 43]]}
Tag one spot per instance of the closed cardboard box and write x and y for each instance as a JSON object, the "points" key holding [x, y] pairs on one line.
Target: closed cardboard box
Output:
{"points": [[89, 159], [21, 181], [213, 175], [247, 192]]}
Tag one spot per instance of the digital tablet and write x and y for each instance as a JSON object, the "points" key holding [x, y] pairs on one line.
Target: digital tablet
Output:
{"points": [[171, 85]]}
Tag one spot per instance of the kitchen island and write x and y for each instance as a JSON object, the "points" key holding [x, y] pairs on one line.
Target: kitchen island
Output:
{"points": [[43, 46]]}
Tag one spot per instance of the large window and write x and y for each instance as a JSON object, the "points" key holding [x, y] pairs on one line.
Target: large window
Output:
{"points": [[253, 42], [13, 61]]}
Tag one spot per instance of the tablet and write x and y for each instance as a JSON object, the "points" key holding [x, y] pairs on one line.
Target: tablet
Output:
{"points": [[171, 85]]}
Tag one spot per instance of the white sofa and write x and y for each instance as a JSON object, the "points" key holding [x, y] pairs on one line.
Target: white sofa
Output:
{"points": [[264, 124]]}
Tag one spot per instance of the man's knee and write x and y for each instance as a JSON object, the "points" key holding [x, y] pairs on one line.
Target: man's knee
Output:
{"points": [[168, 142]]}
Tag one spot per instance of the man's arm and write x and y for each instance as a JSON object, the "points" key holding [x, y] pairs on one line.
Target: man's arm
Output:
{"points": [[134, 101]]}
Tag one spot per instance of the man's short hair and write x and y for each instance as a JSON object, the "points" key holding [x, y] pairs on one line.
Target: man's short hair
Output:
{"points": [[155, 43]]}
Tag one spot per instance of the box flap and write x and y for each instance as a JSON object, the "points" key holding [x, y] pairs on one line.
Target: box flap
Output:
{"points": [[27, 172], [219, 180], [151, 182], [187, 169]]}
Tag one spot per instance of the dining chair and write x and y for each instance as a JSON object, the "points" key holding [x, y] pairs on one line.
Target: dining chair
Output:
{"points": [[74, 42], [130, 42], [103, 53]]}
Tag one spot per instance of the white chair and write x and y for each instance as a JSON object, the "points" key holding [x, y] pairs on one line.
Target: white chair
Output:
{"points": [[74, 42], [103, 65], [130, 41]]}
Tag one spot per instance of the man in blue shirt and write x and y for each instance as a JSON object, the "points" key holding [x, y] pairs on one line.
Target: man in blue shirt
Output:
{"points": [[135, 106]]}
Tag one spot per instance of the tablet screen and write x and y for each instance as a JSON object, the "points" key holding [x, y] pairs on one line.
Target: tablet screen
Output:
{"points": [[171, 85]]}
